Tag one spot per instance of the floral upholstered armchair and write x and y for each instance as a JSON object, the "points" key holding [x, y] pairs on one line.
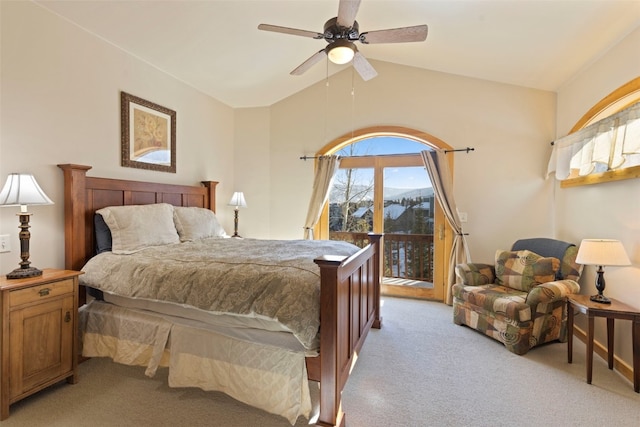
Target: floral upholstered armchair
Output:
{"points": [[521, 300]]}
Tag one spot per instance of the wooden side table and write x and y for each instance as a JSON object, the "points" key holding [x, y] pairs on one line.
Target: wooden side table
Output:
{"points": [[38, 337], [615, 310]]}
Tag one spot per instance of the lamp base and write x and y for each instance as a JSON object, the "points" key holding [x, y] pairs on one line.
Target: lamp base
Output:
{"points": [[23, 273], [600, 299]]}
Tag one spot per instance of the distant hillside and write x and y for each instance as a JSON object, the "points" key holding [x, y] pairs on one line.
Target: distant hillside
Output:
{"points": [[413, 193], [389, 193]]}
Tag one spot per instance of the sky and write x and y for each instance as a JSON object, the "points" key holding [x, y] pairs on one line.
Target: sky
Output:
{"points": [[413, 177], [386, 145]]}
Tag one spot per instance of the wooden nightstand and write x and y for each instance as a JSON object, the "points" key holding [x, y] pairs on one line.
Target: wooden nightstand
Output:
{"points": [[39, 334]]}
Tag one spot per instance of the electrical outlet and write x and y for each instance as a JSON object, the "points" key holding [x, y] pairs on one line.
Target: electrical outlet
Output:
{"points": [[5, 244]]}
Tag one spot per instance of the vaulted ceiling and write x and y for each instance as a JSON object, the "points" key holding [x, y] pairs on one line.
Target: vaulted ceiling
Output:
{"points": [[215, 46]]}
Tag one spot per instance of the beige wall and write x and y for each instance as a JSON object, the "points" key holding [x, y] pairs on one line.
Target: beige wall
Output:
{"points": [[500, 185], [252, 150], [61, 104], [608, 210]]}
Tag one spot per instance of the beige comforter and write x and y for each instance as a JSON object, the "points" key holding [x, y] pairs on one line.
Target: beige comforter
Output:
{"points": [[271, 279]]}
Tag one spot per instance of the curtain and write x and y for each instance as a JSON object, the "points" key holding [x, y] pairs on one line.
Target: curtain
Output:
{"points": [[608, 144], [438, 169], [326, 167]]}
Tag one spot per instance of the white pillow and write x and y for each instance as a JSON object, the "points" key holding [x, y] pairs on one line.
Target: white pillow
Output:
{"points": [[136, 227], [196, 223]]}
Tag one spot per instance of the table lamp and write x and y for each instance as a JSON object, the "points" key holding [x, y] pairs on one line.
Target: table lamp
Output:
{"points": [[238, 201], [21, 189], [601, 252]]}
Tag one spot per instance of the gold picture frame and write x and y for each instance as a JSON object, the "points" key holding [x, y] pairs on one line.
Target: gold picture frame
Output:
{"points": [[148, 134]]}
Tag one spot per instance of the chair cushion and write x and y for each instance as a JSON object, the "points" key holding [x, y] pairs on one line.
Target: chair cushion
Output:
{"points": [[552, 248], [507, 302], [475, 273], [523, 270], [569, 269]]}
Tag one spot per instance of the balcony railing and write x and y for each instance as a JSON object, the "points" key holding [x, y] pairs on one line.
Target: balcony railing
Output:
{"points": [[406, 256]]}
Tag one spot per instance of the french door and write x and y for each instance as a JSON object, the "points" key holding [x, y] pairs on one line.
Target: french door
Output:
{"points": [[391, 194]]}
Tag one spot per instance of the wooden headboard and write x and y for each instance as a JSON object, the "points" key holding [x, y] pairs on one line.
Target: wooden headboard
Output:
{"points": [[83, 195]]}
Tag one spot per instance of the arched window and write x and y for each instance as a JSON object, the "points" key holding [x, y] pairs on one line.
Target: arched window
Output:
{"points": [[383, 187], [604, 145]]}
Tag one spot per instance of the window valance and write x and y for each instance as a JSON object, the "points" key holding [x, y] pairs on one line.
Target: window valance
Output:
{"points": [[608, 144]]}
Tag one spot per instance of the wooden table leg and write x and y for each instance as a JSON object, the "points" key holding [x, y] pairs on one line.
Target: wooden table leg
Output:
{"points": [[570, 315], [590, 349], [610, 348], [635, 332]]}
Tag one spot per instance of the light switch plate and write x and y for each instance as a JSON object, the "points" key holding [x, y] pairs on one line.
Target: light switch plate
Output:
{"points": [[462, 216], [5, 243]]}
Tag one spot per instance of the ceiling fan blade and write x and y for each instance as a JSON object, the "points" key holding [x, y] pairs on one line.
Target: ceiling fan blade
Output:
{"points": [[396, 35], [292, 31], [363, 67], [315, 58], [347, 11]]}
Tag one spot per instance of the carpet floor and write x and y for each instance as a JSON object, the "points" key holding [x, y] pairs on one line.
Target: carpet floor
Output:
{"points": [[420, 369]]}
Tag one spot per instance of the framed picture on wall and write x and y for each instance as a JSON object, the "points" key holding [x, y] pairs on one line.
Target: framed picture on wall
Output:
{"points": [[148, 134]]}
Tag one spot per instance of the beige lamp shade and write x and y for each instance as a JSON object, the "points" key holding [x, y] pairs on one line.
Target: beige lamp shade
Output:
{"points": [[22, 189], [602, 252], [238, 200]]}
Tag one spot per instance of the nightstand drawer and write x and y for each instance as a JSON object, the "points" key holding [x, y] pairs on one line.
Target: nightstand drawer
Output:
{"points": [[40, 292]]}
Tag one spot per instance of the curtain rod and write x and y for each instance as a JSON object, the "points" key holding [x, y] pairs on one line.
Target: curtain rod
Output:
{"points": [[460, 149], [446, 151]]}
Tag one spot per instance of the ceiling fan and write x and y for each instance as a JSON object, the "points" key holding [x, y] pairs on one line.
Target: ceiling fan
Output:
{"points": [[341, 32]]}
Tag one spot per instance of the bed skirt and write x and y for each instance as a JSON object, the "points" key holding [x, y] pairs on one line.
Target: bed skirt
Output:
{"points": [[262, 375]]}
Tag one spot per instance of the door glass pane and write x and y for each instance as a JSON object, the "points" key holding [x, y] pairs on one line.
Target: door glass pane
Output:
{"points": [[408, 223], [351, 205]]}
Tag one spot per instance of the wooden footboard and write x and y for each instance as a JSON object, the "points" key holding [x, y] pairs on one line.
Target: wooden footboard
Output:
{"points": [[349, 307], [350, 286]]}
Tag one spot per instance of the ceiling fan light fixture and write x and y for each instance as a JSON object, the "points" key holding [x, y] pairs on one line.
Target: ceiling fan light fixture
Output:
{"points": [[341, 33], [340, 52]]}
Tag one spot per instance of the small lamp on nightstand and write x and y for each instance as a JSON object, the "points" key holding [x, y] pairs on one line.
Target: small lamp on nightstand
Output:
{"points": [[601, 252], [21, 189], [238, 201]]}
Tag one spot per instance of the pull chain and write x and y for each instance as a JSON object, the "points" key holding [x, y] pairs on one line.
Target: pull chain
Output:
{"points": [[353, 101], [326, 103]]}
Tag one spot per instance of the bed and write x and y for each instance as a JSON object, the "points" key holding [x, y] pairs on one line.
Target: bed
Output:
{"points": [[349, 307]]}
